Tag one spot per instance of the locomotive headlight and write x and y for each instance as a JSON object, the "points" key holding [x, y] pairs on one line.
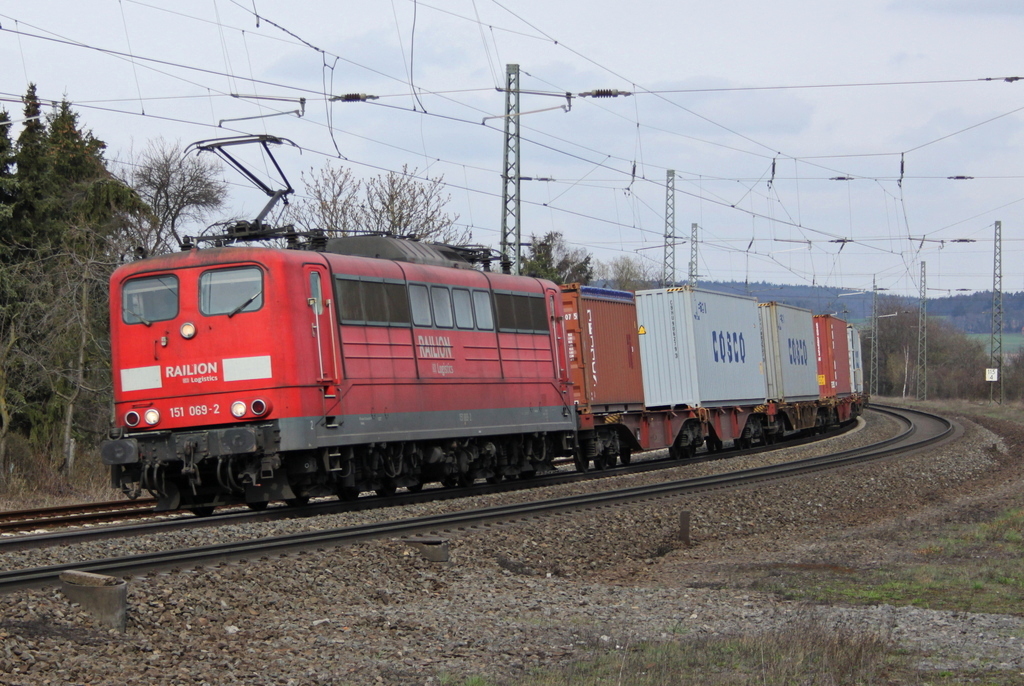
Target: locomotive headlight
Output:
{"points": [[188, 330], [152, 417], [259, 407], [132, 418], [238, 409]]}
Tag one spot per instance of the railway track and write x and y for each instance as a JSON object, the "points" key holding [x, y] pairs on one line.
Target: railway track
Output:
{"points": [[26, 529], [68, 515], [921, 430]]}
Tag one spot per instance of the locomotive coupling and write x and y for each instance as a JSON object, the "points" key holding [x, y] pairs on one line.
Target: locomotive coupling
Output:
{"points": [[120, 451]]}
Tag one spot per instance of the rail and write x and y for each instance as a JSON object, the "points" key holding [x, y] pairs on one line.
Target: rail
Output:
{"points": [[921, 430]]}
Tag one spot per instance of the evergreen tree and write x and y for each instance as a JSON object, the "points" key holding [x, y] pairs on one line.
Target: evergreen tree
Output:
{"points": [[32, 179], [551, 258], [8, 184], [61, 212]]}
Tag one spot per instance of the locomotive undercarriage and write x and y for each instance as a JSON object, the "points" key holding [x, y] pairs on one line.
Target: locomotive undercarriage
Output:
{"points": [[194, 480]]}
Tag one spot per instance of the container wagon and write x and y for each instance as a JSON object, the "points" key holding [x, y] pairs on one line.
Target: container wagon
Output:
{"points": [[839, 401]]}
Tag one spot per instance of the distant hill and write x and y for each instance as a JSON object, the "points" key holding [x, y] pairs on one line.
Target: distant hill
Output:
{"points": [[971, 313]]}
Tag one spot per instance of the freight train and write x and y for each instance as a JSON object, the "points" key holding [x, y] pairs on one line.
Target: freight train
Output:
{"points": [[249, 374]]}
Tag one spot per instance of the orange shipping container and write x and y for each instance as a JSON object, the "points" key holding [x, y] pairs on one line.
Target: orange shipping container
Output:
{"points": [[604, 357], [833, 353]]}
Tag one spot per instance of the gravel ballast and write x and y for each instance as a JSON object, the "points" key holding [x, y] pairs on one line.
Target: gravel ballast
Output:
{"points": [[526, 594]]}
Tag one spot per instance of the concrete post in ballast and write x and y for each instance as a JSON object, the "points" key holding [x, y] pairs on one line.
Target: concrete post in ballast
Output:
{"points": [[433, 549], [104, 597], [684, 527]]}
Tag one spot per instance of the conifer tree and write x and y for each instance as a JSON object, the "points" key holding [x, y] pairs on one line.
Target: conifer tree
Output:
{"points": [[61, 211]]}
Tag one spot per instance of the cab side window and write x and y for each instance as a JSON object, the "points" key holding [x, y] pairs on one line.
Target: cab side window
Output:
{"points": [[379, 303]]}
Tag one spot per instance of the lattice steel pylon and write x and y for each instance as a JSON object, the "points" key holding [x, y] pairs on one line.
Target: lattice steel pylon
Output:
{"points": [[922, 341], [693, 256], [873, 390], [668, 268], [996, 390], [511, 226]]}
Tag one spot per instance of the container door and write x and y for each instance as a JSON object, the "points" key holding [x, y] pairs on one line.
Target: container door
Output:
{"points": [[558, 340]]}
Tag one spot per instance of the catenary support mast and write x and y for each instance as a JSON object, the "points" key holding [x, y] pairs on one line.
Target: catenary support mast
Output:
{"points": [[511, 227], [996, 391], [922, 341], [668, 269]]}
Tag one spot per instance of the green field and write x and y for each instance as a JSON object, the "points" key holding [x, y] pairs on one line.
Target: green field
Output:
{"points": [[1012, 342]]}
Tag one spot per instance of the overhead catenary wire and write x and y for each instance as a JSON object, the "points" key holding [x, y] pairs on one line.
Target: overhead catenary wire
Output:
{"points": [[625, 170]]}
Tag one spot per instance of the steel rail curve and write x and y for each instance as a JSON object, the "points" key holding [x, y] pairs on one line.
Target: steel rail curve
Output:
{"points": [[149, 521], [922, 429]]}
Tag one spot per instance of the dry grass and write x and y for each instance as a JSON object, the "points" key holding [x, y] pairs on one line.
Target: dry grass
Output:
{"points": [[33, 480], [1009, 411], [807, 652]]}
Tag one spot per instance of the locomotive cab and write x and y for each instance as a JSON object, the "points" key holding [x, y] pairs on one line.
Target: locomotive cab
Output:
{"points": [[253, 374], [211, 348]]}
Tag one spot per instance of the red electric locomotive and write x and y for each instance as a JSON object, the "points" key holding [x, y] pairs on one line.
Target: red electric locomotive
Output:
{"points": [[251, 374]]}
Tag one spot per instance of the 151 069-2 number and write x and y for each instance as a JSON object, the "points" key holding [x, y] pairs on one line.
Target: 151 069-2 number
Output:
{"points": [[195, 410]]}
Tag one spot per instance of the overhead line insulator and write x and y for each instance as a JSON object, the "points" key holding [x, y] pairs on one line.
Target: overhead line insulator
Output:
{"points": [[353, 97], [604, 93]]}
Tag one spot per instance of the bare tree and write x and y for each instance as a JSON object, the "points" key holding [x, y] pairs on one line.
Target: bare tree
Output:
{"points": [[8, 404], [627, 273], [396, 203], [331, 202], [19, 380], [401, 204], [178, 190]]}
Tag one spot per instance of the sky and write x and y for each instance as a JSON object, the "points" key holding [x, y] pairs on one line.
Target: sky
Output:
{"points": [[811, 143]]}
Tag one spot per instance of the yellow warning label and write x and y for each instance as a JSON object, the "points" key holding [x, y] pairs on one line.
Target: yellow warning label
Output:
{"points": [[821, 379], [641, 331]]}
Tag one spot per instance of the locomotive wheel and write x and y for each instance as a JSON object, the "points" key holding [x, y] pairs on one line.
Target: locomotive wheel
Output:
{"points": [[347, 494], [496, 479], [258, 506], [300, 501], [204, 511], [581, 462], [387, 490], [415, 488]]}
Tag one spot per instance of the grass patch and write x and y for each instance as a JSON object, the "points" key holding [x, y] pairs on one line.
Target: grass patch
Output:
{"points": [[807, 652], [975, 568], [1011, 411]]}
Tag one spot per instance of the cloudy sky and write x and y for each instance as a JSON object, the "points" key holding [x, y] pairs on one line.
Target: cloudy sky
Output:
{"points": [[812, 142]]}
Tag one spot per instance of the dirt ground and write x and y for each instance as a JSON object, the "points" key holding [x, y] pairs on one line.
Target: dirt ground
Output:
{"points": [[855, 542]]}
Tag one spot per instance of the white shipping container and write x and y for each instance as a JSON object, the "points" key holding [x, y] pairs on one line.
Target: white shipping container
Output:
{"points": [[700, 348], [856, 366], [791, 371]]}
